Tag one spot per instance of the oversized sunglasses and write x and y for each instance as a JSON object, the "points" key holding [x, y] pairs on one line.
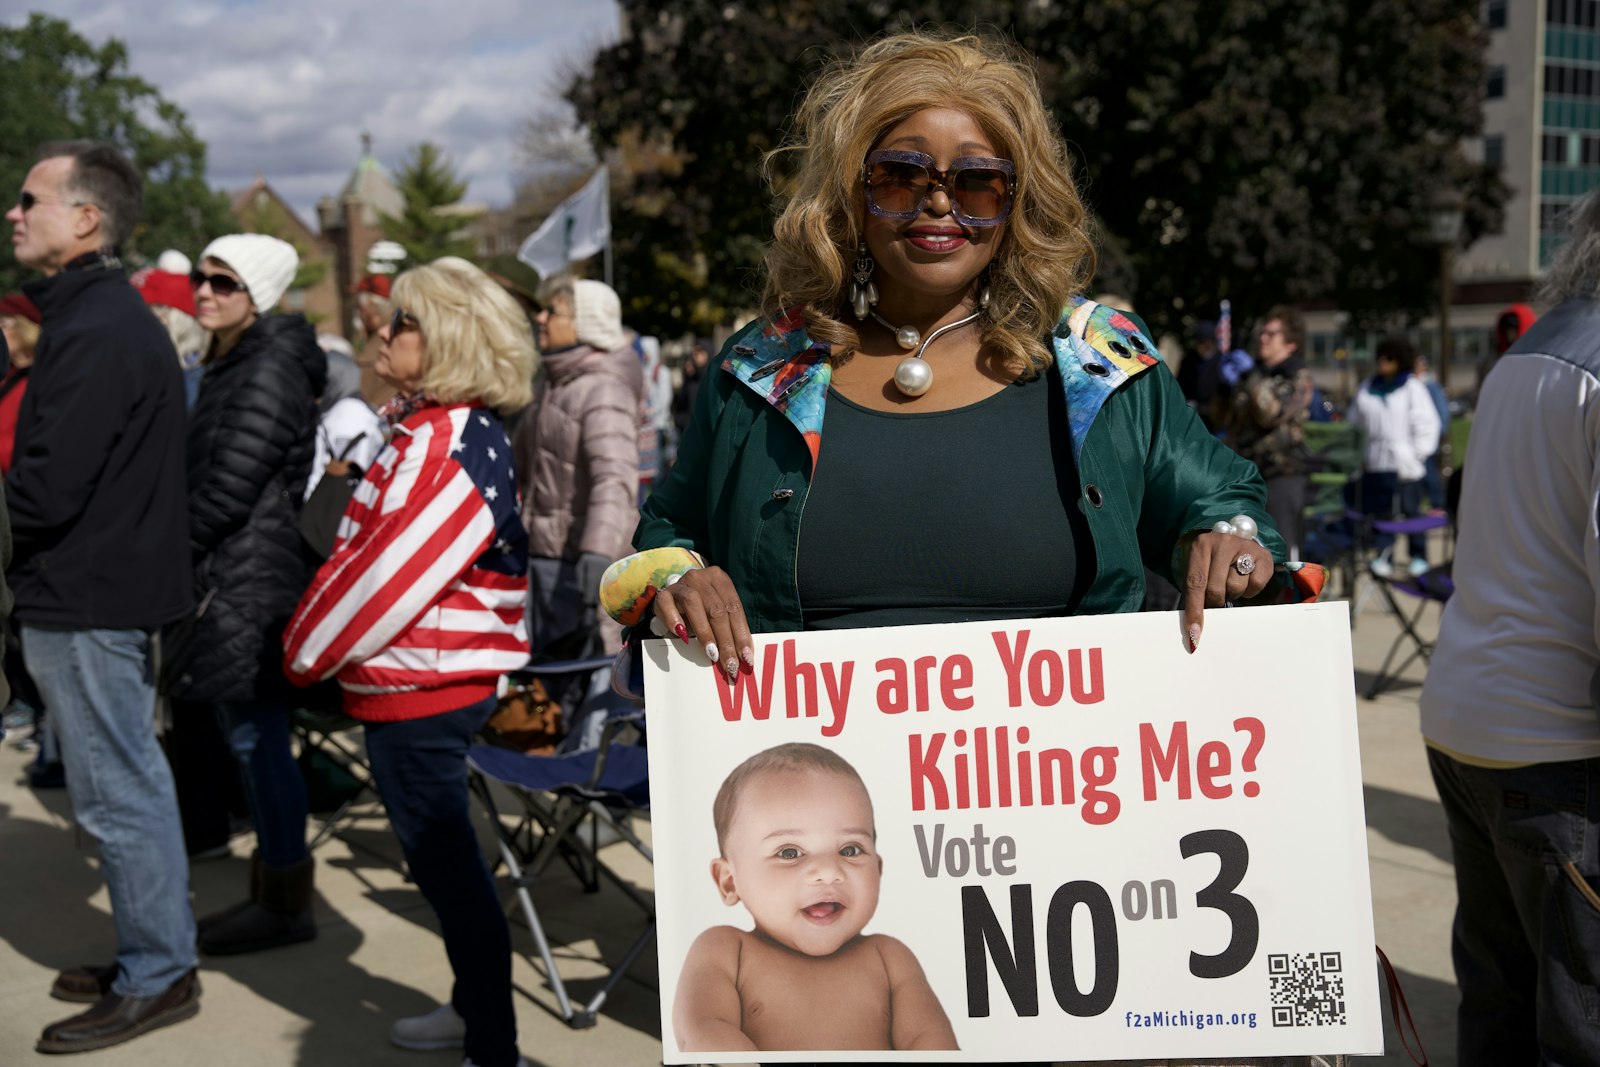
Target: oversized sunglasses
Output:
{"points": [[980, 188], [401, 321], [221, 284]]}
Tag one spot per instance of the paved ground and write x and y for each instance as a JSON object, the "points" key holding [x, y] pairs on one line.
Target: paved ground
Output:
{"points": [[378, 956]]}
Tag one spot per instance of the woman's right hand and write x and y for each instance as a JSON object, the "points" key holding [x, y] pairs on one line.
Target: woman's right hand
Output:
{"points": [[704, 606]]}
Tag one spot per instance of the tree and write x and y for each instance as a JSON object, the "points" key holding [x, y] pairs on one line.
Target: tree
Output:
{"points": [[428, 181], [55, 85], [1228, 148]]}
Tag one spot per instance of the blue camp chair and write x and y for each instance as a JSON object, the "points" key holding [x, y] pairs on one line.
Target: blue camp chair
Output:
{"points": [[571, 800], [1432, 586]]}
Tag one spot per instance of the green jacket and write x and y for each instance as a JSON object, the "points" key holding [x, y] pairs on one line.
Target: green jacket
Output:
{"points": [[1148, 471]]}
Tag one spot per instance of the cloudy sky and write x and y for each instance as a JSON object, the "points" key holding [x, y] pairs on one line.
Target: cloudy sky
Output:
{"points": [[285, 87]]}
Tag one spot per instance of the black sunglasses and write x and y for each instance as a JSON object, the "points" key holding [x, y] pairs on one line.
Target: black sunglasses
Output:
{"points": [[221, 284], [980, 188], [401, 321], [27, 200]]}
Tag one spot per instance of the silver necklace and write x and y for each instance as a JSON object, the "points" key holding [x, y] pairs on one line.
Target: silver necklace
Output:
{"points": [[913, 376]]}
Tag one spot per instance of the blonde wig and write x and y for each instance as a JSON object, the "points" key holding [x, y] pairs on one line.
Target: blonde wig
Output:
{"points": [[479, 343], [1045, 254]]}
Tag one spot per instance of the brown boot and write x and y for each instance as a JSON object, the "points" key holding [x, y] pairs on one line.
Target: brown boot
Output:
{"points": [[280, 915]]}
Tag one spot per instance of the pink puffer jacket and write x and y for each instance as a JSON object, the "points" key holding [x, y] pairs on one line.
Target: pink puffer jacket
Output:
{"points": [[577, 451]]}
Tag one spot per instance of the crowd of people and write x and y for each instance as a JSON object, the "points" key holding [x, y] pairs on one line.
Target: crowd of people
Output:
{"points": [[216, 504], [1260, 401], [209, 501]]}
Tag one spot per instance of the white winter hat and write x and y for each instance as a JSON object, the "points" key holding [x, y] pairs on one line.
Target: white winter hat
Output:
{"points": [[265, 264], [597, 315], [174, 262]]}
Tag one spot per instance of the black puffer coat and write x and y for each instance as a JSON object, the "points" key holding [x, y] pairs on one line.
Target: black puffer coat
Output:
{"points": [[251, 436]]}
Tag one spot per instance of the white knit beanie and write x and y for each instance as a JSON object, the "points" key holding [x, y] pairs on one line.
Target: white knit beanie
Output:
{"points": [[265, 264], [597, 314]]}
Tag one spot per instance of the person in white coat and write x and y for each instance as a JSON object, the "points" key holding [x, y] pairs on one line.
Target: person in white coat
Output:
{"points": [[349, 432], [1402, 426]]}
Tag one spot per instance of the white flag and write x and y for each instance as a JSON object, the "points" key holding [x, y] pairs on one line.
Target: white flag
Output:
{"points": [[576, 230]]}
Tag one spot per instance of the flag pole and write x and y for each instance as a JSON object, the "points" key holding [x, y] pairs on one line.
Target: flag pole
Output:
{"points": [[608, 263]]}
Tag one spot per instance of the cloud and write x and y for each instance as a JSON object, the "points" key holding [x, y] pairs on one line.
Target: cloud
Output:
{"points": [[285, 88]]}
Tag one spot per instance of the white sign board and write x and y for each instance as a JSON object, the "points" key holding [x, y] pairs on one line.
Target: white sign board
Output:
{"points": [[1058, 840]]}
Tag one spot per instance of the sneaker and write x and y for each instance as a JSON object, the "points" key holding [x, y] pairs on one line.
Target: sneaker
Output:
{"points": [[441, 1028], [1382, 566], [1418, 567]]}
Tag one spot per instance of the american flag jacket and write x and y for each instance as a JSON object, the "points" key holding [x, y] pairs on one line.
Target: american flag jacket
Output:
{"points": [[420, 608]]}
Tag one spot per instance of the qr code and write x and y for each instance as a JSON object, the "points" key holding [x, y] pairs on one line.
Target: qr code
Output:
{"points": [[1307, 989]]}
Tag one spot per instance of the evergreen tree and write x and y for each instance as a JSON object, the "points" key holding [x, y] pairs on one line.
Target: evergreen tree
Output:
{"points": [[428, 182]]}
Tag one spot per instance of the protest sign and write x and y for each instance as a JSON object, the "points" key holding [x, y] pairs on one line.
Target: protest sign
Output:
{"points": [[1065, 839]]}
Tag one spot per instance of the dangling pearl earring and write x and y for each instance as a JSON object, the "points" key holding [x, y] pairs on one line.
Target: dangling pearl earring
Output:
{"points": [[863, 294]]}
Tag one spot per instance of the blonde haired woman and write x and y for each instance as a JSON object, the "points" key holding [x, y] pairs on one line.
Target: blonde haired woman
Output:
{"points": [[926, 357], [420, 609]]}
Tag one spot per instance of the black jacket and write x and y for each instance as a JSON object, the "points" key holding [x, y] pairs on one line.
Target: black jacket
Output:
{"points": [[96, 490], [251, 436]]}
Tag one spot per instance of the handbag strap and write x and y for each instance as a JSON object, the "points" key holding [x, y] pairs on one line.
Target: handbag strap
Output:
{"points": [[351, 445], [1397, 1004]]}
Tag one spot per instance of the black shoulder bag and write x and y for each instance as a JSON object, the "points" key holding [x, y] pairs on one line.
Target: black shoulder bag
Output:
{"points": [[320, 514]]}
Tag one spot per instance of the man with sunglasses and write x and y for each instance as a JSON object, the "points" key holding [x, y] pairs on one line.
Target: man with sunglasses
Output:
{"points": [[100, 525]]}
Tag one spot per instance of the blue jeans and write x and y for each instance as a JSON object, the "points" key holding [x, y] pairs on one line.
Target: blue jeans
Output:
{"points": [[1385, 496], [100, 688], [421, 771], [258, 733], [1526, 940]]}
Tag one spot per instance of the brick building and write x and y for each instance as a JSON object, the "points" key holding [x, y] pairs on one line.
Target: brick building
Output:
{"points": [[352, 223]]}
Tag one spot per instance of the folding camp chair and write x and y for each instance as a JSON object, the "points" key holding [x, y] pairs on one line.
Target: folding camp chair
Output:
{"points": [[1433, 586], [325, 745], [570, 800], [1336, 534]]}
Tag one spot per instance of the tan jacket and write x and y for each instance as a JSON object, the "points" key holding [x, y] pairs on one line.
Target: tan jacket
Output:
{"points": [[577, 453]]}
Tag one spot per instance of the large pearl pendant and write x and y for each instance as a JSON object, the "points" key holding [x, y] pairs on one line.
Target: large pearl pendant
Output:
{"points": [[913, 376], [907, 337]]}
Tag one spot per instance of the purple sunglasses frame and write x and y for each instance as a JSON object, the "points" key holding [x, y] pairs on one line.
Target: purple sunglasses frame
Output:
{"points": [[942, 179]]}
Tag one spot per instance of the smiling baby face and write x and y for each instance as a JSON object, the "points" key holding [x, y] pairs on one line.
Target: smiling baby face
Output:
{"points": [[801, 853]]}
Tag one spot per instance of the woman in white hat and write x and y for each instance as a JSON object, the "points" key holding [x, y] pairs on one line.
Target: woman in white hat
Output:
{"points": [[251, 436]]}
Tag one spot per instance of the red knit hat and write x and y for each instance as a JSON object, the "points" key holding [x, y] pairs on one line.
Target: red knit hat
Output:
{"points": [[376, 284], [20, 306], [162, 288]]}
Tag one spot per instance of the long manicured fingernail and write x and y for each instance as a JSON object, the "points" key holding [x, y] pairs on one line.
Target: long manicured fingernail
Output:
{"points": [[730, 667], [1194, 638], [682, 632], [747, 656], [711, 651]]}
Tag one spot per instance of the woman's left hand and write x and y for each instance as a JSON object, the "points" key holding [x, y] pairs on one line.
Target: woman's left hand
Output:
{"points": [[1215, 577]]}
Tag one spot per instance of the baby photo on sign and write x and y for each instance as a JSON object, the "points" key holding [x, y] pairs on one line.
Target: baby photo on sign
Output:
{"points": [[798, 848]]}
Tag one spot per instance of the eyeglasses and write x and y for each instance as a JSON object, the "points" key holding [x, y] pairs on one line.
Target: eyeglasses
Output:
{"points": [[221, 284], [1271, 333], [980, 188], [27, 200], [401, 321]]}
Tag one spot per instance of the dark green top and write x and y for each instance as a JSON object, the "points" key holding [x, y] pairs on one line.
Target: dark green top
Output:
{"points": [[941, 516]]}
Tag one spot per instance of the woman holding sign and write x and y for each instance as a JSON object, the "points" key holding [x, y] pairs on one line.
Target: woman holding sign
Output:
{"points": [[965, 436]]}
